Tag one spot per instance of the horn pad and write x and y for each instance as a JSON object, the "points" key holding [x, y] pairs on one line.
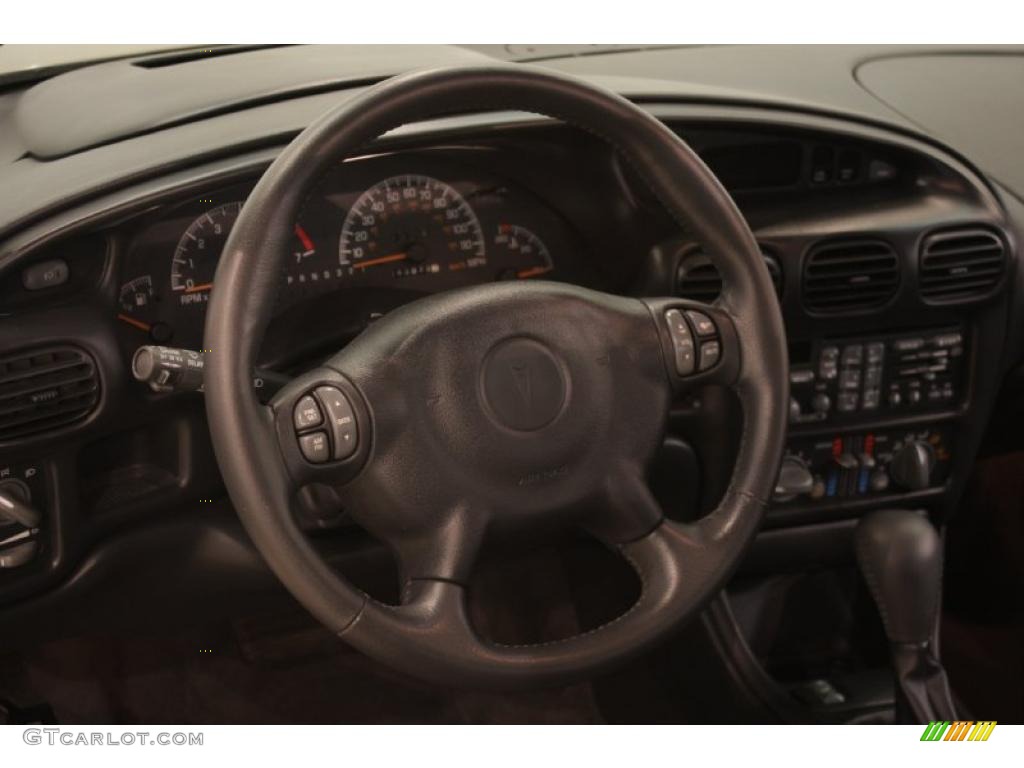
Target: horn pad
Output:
{"points": [[523, 385]]}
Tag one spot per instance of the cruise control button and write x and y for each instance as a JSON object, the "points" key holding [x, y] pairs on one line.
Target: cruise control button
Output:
{"points": [[702, 324], [682, 342], [315, 447], [341, 419], [307, 413], [710, 352]]}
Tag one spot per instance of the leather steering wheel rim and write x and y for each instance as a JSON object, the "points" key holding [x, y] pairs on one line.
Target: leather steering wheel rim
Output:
{"points": [[429, 635]]}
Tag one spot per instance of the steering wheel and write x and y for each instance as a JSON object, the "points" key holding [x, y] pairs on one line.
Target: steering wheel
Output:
{"points": [[495, 409]]}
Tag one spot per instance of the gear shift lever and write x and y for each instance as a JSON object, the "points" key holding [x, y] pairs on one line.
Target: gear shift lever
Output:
{"points": [[900, 555]]}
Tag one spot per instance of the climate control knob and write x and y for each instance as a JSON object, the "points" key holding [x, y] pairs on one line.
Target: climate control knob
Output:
{"points": [[795, 479], [911, 466]]}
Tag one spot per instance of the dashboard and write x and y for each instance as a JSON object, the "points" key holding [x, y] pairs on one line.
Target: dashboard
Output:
{"points": [[893, 263], [385, 228]]}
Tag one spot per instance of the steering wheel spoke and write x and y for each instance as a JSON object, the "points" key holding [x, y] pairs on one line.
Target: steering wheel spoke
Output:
{"points": [[447, 551], [629, 510]]}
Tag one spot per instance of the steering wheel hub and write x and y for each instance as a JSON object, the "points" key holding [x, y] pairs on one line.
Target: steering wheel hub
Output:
{"points": [[524, 386]]}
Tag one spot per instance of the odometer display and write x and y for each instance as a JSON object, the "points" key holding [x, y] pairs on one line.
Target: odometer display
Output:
{"points": [[406, 226]]}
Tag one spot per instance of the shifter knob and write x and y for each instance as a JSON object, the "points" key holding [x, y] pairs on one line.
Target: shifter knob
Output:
{"points": [[901, 556]]}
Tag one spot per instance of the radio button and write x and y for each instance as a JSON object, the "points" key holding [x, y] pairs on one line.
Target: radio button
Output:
{"points": [[871, 399], [908, 345], [828, 367], [702, 324], [710, 352], [801, 376], [948, 340], [853, 355], [849, 379], [683, 345]]}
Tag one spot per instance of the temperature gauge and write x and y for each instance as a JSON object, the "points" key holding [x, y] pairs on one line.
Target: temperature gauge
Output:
{"points": [[519, 254]]}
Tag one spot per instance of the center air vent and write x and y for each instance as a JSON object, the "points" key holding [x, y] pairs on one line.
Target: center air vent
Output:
{"points": [[960, 265], [45, 388], [848, 275], [697, 278]]}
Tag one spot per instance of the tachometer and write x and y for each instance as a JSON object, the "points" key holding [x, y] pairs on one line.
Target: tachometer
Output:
{"points": [[195, 259], [411, 225]]}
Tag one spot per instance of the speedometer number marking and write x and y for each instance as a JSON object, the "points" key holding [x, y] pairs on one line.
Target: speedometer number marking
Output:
{"points": [[411, 225]]}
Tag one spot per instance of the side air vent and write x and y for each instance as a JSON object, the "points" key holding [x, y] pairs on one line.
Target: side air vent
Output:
{"points": [[848, 275], [46, 388], [697, 278], [960, 265]]}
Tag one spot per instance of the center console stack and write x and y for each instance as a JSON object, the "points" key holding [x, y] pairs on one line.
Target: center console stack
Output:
{"points": [[870, 417]]}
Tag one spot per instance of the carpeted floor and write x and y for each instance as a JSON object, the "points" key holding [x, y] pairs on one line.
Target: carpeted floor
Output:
{"points": [[213, 676], [283, 667]]}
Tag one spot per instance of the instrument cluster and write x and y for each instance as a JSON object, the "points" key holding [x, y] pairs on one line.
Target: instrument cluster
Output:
{"points": [[378, 226]]}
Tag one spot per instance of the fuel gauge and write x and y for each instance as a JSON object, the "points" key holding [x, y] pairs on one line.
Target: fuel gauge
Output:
{"points": [[137, 303], [519, 254], [137, 295]]}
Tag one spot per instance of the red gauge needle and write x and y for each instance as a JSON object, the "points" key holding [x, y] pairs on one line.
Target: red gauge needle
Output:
{"points": [[199, 288], [305, 240], [137, 323], [532, 272], [381, 260]]}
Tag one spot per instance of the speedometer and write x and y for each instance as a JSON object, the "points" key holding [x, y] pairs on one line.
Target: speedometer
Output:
{"points": [[411, 225]]}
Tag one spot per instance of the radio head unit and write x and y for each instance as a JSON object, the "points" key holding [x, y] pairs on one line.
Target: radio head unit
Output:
{"points": [[878, 376]]}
